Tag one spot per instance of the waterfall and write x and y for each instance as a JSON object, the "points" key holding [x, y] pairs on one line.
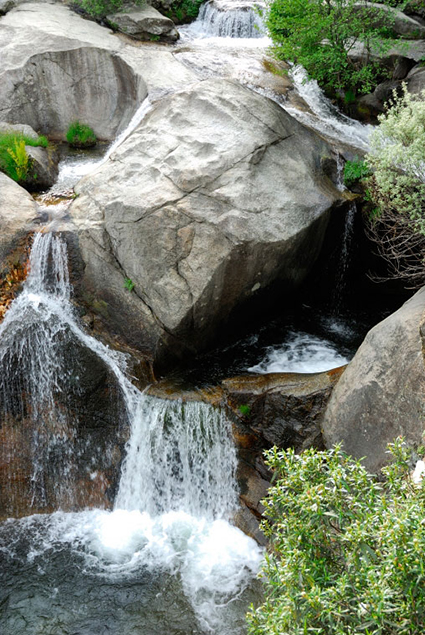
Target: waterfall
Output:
{"points": [[344, 258], [177, 485], [324, 116], [35, 337], [228, 19], [188, 441]]}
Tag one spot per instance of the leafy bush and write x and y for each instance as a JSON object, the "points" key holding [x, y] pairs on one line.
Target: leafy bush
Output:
{"points": [[182, 11], [101, 8], [347, 553], [397, 187], [14, 159], [79, 135], [320, 35], [355, 171]]}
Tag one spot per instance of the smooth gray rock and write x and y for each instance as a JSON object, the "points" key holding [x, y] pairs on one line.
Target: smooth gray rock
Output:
{"points": [[416, 79], [400, 23], [56, 67], [17, 213], [143, 23], [22, 129], [381, 393], [217, 194]]}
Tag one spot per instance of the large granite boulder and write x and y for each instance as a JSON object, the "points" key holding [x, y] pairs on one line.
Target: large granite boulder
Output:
{"points": [[217, 194], [144, 23], [381, 395], [56, 67]]}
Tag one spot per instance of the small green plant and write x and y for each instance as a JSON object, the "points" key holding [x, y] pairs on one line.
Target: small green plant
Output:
{"points": [[79, 135], [245, 410], [347, 551], [128, 284], [14, 159], [20, 158], [355, 170]]}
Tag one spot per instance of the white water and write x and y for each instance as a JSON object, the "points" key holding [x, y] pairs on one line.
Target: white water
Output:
{"points": [[72, 170], [325, 117], [301, 353], [178, 485], [227, 19]]}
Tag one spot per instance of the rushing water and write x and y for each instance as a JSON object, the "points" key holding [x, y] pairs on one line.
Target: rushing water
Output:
{"points": [[228, 19], [168, 539]]}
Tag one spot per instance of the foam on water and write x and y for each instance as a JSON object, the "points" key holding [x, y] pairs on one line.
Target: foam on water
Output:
{"points": [[214, 561], [178, 485], [301, 353]]}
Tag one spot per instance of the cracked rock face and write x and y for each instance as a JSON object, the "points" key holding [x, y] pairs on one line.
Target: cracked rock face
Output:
{"points": [[216, 195]]}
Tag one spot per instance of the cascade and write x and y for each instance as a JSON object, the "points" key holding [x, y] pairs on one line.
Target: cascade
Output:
{"points": [[177, 486], [344, 258], [228, 19]]}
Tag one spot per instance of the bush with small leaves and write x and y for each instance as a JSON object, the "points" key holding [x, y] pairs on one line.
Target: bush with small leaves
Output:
{"points": [[347, 551]]}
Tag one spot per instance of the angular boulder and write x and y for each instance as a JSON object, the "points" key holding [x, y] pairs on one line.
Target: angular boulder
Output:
{"points": [[381, 395], [17, 214], [216, 195], [144, 23]]}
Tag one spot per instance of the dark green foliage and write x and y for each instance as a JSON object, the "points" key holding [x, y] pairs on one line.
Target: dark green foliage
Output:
{"points": [[183, 11], [348, 552], [320, 34], [355, 171], [101, 8], [14, 160], [80, 135]]}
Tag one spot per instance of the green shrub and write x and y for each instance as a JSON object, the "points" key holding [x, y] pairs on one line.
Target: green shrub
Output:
{"points": [[79, 135], [183, 11], [319, 36], [347, 552], [397, 188], [397, 157], [101, 8], [355, 171], [14, 159]]}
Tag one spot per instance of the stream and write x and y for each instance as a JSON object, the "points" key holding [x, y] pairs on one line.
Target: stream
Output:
{"points": [[166, 558]]}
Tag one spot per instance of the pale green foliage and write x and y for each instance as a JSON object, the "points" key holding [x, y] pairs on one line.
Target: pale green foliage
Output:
{"points": [[347, 553], [397, 157]]}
